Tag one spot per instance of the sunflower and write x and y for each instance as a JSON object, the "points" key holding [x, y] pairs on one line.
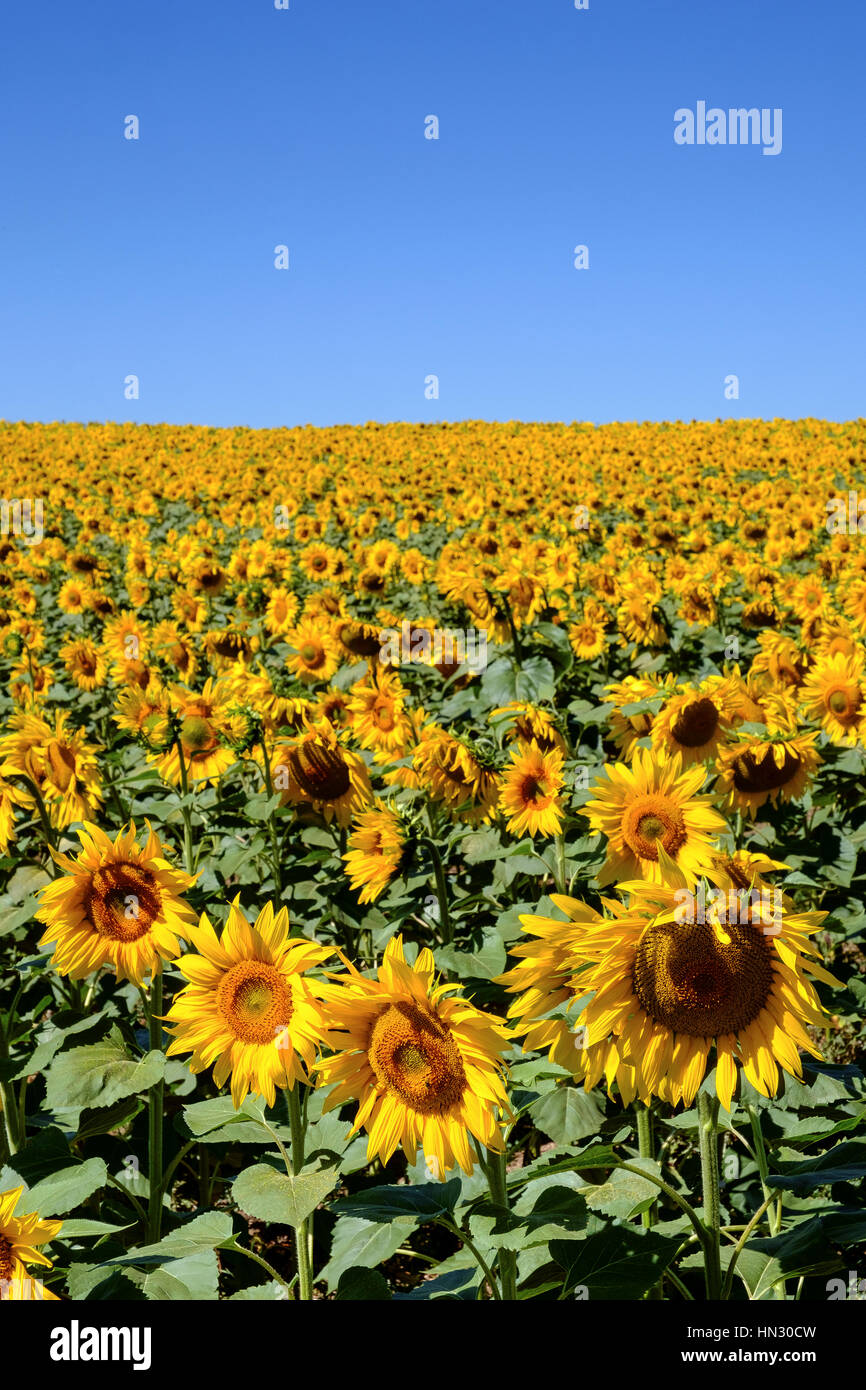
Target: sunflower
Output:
{"points": [[20, 1236], [528, 723], [318, 769], [424, 1067], [84, 663], [835, 693], [753, 770], [375, 713], [665, 987], [628, 724], [10, 798], [653, 803], [314, 655], [587, 638], [281, 612], [374, 850], [695, 721], [58, 761], [531, 791], [119, 904], [458, 774], [248, 1010], [201, 719]]}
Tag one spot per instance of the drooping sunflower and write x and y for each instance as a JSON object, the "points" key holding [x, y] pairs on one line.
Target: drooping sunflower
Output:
{"points": [[119, 904], [10, 799], [58, 761], [654, 802], [458, 774], [84, 663], [835, 693], [374, 850], [248, 1009], [753, 770], [665, 987], [695, 721], [527, 723], [531, 794], [20, 1237], [318, 768], [422, 1062]]}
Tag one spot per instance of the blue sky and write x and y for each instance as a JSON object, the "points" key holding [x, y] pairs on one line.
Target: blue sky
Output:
{"points": [[412, 257]]}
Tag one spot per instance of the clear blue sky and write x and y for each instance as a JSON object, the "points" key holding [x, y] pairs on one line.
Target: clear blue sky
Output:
{"points": [[411, 257]]}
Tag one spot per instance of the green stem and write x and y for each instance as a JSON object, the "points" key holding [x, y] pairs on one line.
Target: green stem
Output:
{"points": [[156, 1098], [474, 1252], [185, 811], [305, 1278], [735, 1253], [708, 1110], [441, 888], [272, 828], [10, 1116], [647, 1149], [561, 882], [771, 1196], [497, 1180], [251, 1255]]}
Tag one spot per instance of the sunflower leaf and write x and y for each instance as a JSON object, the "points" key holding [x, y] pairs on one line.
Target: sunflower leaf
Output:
{"points": [[268, 1195]]}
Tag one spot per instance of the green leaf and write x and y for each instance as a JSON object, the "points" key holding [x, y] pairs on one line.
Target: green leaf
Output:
{"points": [[100, 1075], [59, 1193], [194, 1277], [619, 1263], [567, 1114], [624, 1194], [423, 1202], [210, 1231], [268, 1195], [217, 1120], [844, 1163], [366, 1243], [74, 1230], [810, 1246], [362, 1285]]}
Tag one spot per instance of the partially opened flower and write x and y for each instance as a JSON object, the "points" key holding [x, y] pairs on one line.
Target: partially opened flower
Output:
{"points": [[424, 1067], [119, 904], [249, 1010], [20, 1237]]}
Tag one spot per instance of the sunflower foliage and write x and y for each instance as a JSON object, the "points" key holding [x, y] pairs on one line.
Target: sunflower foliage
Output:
{"points": [[432, 863]]}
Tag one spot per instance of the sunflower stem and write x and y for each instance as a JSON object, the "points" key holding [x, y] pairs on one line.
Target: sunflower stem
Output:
{"points": [[441, 888], [156, 1097], [708, 1110], [497, 1180], [302, 1246], [769, 1193], [561, 881], [272, 828], [185, 811]]}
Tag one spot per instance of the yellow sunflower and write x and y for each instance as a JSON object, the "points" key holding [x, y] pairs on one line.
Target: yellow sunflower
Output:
{"points": [[84, 663], [835, 693], [457, 774], [119, 904], [317, 768], [652, 803], [58, 761], [314, 655], [248, 1009], [531, 794], [374, 850], [202, 719], [695, 721], [665, 987], [424, 1067], [753, 770], [20, 1236]]}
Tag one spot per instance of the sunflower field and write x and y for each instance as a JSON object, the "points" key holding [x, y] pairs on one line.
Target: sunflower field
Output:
{"points": [[433, 862]]}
